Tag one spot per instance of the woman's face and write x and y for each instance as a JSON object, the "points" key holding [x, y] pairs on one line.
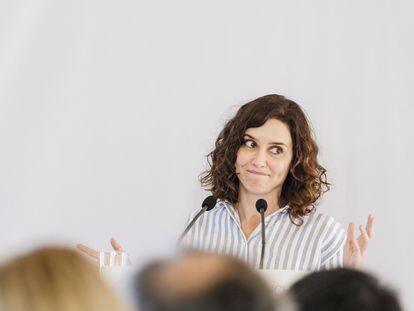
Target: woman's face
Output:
{"points": [[263, 160]]}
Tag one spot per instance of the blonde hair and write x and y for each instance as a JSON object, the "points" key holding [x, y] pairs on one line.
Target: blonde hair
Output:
{"points": [[54, 278]]}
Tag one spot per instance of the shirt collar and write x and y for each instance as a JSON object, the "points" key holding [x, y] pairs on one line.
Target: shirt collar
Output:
{"points": [[232, 210]]}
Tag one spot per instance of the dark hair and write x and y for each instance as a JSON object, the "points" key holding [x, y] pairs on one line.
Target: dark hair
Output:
{"points": [[235, 287], [306, 180], [343, 290]]}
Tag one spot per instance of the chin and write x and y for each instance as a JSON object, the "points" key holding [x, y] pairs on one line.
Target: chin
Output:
{"points": [[258, 190], [257, 185]]}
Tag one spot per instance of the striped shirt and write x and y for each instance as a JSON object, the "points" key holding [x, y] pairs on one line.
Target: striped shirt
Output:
{"points": [[316, 244]]}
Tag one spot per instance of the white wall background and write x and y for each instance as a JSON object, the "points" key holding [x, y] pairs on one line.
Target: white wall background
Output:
{"points": [[107, 109]]}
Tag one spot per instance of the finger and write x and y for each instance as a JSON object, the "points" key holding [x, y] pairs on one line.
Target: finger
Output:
{"points": [[351, 229], [364, 234], [115, 245], [355, 246], [370, 224], [363, 239], [87, 250]]}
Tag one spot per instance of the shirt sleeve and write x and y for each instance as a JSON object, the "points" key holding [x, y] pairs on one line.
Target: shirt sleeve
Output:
{"points": [[333, 246]]}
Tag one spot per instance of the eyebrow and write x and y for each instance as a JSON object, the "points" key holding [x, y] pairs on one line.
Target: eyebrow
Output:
{"points": [[273, 143]]}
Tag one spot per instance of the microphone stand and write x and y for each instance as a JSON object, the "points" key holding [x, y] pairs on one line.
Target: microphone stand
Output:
{"points": [[261, 207], [208, 204], [263, 238], [201, 212]]}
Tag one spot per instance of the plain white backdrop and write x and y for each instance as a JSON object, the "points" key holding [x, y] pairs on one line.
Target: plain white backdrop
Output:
{"points": [[108, 108]]}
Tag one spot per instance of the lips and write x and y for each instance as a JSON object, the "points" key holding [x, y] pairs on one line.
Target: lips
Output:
{"points": [[257, 173]]}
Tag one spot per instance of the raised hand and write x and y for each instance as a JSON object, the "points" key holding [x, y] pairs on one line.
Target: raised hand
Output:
{"points": [[355, 248]]}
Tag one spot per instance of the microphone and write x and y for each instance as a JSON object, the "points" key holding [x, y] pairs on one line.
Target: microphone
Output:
{"points": [[207, 205], [261, 207]]}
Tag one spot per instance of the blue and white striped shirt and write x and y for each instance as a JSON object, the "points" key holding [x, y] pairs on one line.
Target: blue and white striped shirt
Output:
{"points": [[316, 244]]}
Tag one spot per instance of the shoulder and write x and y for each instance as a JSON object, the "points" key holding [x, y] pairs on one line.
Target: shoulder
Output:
{"points": [[321, 219], [333, 231], [215, 212], [330, 230]]}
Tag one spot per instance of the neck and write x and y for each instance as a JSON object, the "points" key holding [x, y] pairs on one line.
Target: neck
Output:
{"points": [[246, 207]]}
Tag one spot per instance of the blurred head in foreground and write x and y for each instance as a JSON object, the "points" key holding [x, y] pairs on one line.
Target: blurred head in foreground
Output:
{"points": [[53, 279], [202, 282], [343, 290]]}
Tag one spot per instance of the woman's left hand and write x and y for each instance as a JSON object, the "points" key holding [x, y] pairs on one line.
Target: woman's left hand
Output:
{"points": [[355, 248], [94, 254]]}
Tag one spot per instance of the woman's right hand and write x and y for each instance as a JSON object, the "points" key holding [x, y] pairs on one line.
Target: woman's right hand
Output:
{"points": [[93, 253], [355, 248]]}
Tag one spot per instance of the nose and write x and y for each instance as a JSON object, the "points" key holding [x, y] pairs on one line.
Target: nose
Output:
{"points": [[260, 159]]}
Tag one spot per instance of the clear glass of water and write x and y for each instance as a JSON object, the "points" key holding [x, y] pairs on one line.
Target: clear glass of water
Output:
{"points": [[115, 268], [112, 259]]}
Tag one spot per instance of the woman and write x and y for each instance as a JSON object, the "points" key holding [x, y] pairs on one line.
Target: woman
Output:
{"points": [[53, 279], [266, 151]]}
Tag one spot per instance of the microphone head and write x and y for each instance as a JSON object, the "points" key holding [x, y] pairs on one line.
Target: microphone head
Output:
{"points": [[261, 205], [210, 202]]}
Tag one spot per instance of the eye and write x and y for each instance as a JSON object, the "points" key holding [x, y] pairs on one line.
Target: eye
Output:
{"points": [[249, 143], [276, 150]]}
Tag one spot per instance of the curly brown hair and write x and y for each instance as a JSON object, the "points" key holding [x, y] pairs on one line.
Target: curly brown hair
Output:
{"points": [[306, 180]]}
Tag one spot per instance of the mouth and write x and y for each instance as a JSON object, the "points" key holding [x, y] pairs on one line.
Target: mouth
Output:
{"points": [[257, 173]]}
